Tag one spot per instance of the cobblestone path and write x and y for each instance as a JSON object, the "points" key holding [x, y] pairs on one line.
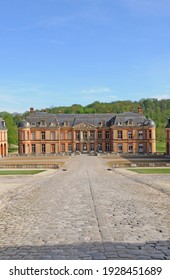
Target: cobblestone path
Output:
{"points": [[85, 212]]}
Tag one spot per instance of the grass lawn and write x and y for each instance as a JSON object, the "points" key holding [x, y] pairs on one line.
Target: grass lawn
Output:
{"points": [[20, 172], [160, 147], [151, 170]]}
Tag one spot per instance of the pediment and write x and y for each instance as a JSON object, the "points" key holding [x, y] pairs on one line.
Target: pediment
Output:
{"points": [[84, 125]]}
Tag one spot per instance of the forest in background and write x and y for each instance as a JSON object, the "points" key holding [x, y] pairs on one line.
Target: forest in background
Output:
{"points": [[157, 110]]}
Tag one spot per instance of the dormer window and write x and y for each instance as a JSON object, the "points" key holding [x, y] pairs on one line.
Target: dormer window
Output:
{"points": [[66, 123], [43, 123], [102, 123], [33, 124], [52, 124], [130, 122]]}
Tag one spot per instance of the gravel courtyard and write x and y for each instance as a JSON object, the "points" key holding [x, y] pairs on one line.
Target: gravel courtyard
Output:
{"points": [[85, 212]]}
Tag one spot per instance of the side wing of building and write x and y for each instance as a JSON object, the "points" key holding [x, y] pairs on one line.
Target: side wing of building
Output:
{"points": [[3, 139]]}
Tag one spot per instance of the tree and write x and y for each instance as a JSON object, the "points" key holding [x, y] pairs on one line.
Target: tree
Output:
{"points": [[12, 128]]}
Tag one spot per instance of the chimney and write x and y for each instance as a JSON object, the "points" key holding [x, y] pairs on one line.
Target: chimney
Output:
{"points": [[31, 110], [140, 111]]}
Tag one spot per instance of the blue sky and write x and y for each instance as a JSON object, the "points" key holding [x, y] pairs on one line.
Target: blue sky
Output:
{"points": [[64, 52]]}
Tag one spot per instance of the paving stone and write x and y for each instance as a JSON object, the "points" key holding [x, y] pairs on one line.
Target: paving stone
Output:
{"points": [[85, 213]]}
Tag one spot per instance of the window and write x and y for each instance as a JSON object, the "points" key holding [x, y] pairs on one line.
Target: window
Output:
{"points": [[52, 135], [53, 148], [107, 147], [66, 123], [62, 135], [119, 148], [150, 134], [69, 135], [130, 134], [43, 149], [63, 147], [33, 149], [130, 148], [43, 135], [99, 134], [85, 135], [102, 123], [91, 135], [22, 136], [3, 123], [84, 147], [107, 134], [33, 136], [52, 124], [130, 122], [23, 149], [119, 134], [150, 148], [43, 123], [77, 135], [140, 148], [99, 147], [77, 147], [69, 147], [91, 147], [140, 134]]}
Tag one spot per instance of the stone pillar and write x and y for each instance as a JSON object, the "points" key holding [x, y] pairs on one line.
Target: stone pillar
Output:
{"points": [[81, 135]]}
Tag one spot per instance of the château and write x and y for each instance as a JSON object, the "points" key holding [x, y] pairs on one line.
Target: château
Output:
{"points": [[125, 133]]}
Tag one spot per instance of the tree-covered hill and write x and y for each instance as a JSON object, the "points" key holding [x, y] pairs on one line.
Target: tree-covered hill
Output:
{"points": [[157, 110]]}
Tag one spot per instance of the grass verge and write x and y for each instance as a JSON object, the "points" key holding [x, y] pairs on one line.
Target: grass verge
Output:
{"points": [[20, 172], [151, 170]]}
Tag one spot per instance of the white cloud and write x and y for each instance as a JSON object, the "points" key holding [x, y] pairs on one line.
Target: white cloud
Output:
{"points": [[163, 96], [103, 94], [96, 90]]}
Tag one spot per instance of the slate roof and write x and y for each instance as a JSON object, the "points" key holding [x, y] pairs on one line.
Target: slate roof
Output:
{"points": [[72, 119], [130, 118], [123, 119]]}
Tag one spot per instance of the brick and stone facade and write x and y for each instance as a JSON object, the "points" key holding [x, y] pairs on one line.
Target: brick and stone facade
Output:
{"points": [[3, 139], [167, 129], [44, 133]]}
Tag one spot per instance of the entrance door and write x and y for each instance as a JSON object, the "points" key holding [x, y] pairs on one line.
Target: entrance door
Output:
{"points": [[84, 148]]}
